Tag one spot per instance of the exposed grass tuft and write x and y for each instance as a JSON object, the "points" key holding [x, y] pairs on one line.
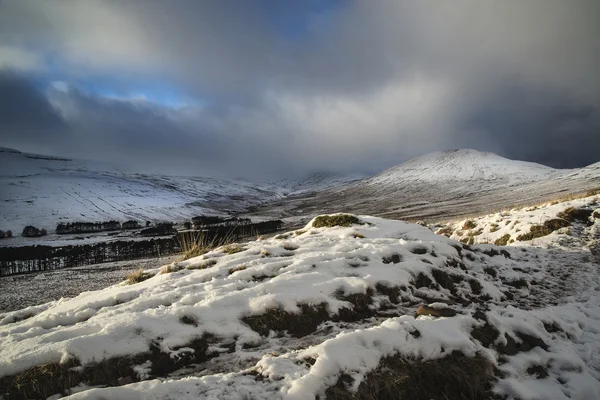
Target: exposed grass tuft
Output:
{"points": [[137, 276], [167, 269], [446, 231], [203, 265], [298, 324], [232, 248], [469, 224], [572, 214], [455, 377], [547, 228], [290, 247], [502, 241], [357, 235], [335, 220]]}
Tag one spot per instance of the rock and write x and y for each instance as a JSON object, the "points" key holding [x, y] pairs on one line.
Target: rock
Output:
{"points": [[436, 311]]}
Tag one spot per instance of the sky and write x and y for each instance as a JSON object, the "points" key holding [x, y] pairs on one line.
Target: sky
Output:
{"points": [[285, 88]]}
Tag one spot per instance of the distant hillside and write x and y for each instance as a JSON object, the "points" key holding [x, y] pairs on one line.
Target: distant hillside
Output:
{"points": [[443, 185]]}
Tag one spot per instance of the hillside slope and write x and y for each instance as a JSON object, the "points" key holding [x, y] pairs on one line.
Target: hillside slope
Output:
{"points": [[328, 311], [444, 185], [43, 191]]}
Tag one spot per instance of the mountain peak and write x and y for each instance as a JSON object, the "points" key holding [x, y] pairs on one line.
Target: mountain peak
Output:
{"points": [[462, 165]]}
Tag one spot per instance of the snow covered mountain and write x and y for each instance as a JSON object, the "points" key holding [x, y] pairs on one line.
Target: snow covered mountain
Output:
{"points": [[42, 191], [462, 165], [443, 185]]}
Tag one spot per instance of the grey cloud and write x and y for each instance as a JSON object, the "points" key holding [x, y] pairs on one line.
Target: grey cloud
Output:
{"points": [[368, 85]]}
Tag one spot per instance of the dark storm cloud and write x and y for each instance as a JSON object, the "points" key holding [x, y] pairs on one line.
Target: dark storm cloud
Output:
{"points": [[26, 114], [347, 86]]}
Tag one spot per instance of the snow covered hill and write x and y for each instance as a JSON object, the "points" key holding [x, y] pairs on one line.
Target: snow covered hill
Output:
{"points": [[463, 165], [42, 191], [445, 185], [348, 307], [316, 182]]}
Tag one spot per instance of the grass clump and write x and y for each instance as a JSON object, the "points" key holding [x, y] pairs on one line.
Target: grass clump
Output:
{"points": [[469, 224], [167, 269], [297, 324], [194, 244], [494, 228], [137, 276], [202, 265], [455, 377], [232, 249], [573, 214], [502, 241], [327, 221], [446, 231], [357, 235], [537, 231], [290, 247]]}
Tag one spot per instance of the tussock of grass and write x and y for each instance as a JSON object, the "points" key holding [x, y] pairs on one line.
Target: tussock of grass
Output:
{"points": [[469, 224], [194, 244], [232, 248], [298, 324], [455, 377], [202, 265], [572, 214], [357, 235], [502, 241], [167, 269], [137, 276], [300, 232], [335, 220], [290, 247], [446, 231], [537, 231], [494, 228]]}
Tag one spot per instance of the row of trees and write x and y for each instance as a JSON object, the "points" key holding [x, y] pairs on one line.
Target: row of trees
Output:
{"points": [[5, 234]]}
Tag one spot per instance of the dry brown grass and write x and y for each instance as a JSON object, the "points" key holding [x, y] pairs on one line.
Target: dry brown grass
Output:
{"points": [[137, 276], [232, 248], [454, 377], [194, 244], [203, 265], [537, 231], [357, 235], [335, 220], [446, 231], [469, 224], [502, 241], [170, 268]]}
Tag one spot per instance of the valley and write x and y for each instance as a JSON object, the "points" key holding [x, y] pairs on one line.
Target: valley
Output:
{"points": [[498, 276]]}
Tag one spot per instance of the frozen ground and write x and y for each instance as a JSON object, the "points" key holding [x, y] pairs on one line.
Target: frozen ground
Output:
{"points": [[21, 291], [294, 315]]}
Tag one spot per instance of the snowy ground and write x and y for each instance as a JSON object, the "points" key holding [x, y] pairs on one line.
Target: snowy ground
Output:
{"points": [[293, 315], [20, 291]]}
